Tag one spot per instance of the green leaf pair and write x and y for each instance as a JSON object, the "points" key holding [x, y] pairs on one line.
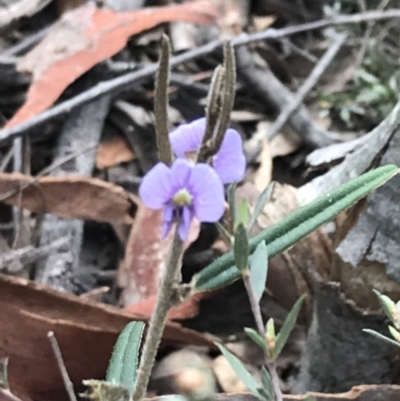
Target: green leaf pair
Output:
{"points": [[283, 335], [296, 226], [264, 392]]}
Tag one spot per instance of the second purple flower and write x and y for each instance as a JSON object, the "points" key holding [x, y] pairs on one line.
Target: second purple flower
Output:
{"points": [[229, 162]]}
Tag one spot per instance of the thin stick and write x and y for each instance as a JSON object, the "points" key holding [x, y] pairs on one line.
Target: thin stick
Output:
{"points": [[309, 83], [124, 82], [61, 365], [255, 307], [159, 317]]}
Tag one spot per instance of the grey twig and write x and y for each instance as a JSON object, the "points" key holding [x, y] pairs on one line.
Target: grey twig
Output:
{"points": [[61, 365], [16, 259], [124, 82], [309, 83]]}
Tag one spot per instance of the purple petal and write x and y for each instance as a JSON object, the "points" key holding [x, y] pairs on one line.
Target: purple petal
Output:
{"points": [[184, 225], [156, 189], [168, 219], [187, 137], [180, 173], [208, 193], [230, 162]]}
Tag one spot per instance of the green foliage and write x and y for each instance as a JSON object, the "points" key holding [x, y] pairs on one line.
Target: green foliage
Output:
{"points": [[287, 326], [256, 338], [369, 98], [297, 225], [241, 248], [388, 306], [382, 337], [261, 202], [3, 373], [123, 364], [244, 375], [259, 269]]}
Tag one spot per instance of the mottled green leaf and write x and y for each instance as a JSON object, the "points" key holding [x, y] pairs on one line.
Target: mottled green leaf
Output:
{"points": [[124, 360], [287, 326], [382, 337], [259, 269], [241, 248]]}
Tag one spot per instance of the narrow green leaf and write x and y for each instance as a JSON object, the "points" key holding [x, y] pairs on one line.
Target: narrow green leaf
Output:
{"points": [[388, 306], [259, 269], [395, 334], [243, 213], [241, 248], [287, 326], [232, 204], [240, 370], [382, 337], [124, 360], [263, 395], [267, 383], [4, 373], [261, 202], [256, 338], [297, 225]]}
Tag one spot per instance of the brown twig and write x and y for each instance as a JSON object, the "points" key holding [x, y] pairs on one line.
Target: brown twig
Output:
{"points": [[124, 82], [308, 84], [61, 365]]}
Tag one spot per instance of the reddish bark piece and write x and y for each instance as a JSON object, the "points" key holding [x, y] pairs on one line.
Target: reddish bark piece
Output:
{"points": [[70, 197], [188, 309], [145, 257], [86, 332], [84, 37]]}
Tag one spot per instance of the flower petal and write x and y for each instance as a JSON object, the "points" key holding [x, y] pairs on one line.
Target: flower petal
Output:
{"points": [[156, 188], [208, 193], [184, 226], [168, 219], [187, 137], [180, 173], [230, 161]]}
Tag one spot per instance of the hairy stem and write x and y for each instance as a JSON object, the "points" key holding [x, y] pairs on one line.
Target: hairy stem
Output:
{"points": [[159, 317], [255, 307]]}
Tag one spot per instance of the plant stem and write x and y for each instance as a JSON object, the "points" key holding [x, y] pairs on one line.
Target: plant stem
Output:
{"points": [[255, 307], [159, 317]]}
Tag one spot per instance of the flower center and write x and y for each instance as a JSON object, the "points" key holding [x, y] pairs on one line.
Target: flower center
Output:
{"points": [[182, 198]]}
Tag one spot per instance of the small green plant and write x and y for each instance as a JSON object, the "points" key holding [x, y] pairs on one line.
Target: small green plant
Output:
{"points": [[369, 98], [392, 311], [196, 160]]}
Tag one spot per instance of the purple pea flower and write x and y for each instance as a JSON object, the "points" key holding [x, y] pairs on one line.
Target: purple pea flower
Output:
{"points": [[229, 163], [184, 191]]}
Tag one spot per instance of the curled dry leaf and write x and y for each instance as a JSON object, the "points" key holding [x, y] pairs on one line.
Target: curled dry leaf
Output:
{"points": [[145, 258], [86, 332], [86, 36], [70, 197]]}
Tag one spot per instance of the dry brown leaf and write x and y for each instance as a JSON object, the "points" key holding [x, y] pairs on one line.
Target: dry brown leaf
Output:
{"points": [[86, 36], [113, 151], [70, 197], [86, 332], [145, 258]]}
